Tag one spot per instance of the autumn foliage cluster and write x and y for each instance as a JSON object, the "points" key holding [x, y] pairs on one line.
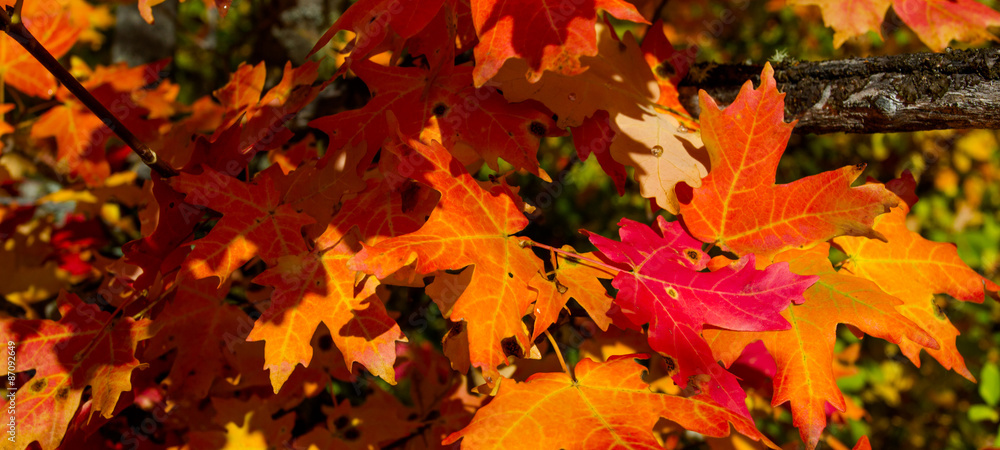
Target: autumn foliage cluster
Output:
{"points": [[248, 301]]}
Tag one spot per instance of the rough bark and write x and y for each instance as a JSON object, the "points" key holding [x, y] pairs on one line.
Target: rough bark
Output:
{"points": [[920, 91]]}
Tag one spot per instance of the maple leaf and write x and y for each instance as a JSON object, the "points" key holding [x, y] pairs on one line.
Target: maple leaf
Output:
{"points": [[245, 424], [81, 136], [804, 353], [547, 37], [850, 18], [253, 123], [438, 393], [572, 278], [316, 187], [242, 91], [67, 356], [607, 405], [664, 288], [469, 227], [54, 29], [383, 211], [739, 207], [480, 118], [203, 328], [938, 22], [372, 20], [318, 287], [254, 223], [380, 421], [930, 268], [72, 127], [166, 222], [619, 81]]}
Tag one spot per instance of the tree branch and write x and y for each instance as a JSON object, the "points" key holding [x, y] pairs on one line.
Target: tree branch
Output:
{"points": [[12, 25], [920, 91]]}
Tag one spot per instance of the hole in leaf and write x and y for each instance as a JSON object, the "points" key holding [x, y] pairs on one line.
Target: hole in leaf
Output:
{"points": [[511, 347], [671, 365], [538, 129], [665, 70], [408, 195], [456, 328], [325, 342]]}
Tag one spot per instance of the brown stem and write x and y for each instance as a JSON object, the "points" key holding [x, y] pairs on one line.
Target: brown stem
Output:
{"points": [[885, 94], [562, 362], [592, 262], [16, 30]]}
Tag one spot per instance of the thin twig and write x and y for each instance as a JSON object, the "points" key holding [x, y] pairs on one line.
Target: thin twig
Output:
{"points": [[572, 255], [562, 362], [12, 25]]}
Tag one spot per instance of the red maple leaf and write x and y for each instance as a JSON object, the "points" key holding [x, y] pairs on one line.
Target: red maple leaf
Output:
{"points": [[254, 223], [663, 287], [480, 118], [203, 328], [550, 37], [374, 21]]}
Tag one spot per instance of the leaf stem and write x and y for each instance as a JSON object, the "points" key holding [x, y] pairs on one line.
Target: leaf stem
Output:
{"points": [[562, 362], [566, 254], [16, 30]]}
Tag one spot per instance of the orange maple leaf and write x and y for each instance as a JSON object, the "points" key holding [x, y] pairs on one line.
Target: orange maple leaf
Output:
{"points": [[929, 267], [81, 136], [804, 353], [606, 406], [850, 18], [53, 26], [470, 226], [936, 22], [572, 279], [318, 287], [738, 205], [67, 356]]}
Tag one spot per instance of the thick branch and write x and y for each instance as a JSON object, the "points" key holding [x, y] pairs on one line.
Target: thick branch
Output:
{"points": [[11, 24], [920, 91]]}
